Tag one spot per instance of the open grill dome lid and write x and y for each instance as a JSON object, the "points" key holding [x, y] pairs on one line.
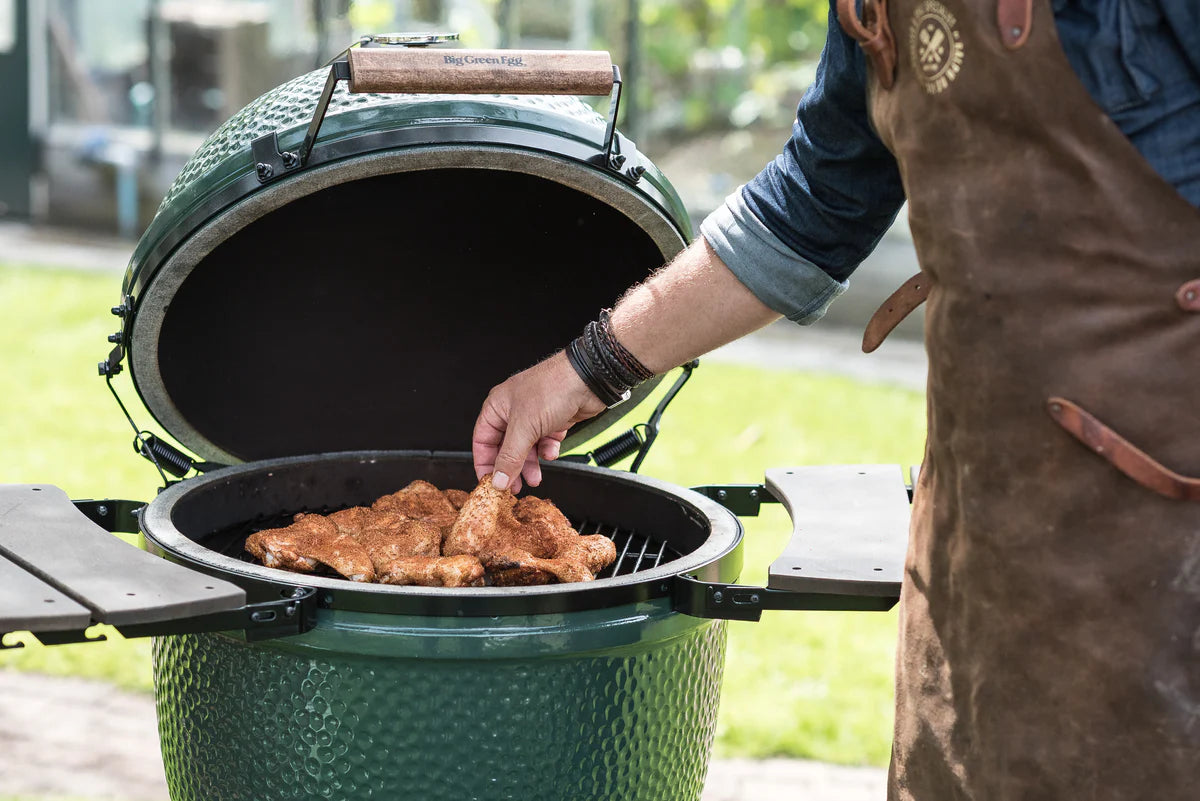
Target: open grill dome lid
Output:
{"points": [[367, 293]]}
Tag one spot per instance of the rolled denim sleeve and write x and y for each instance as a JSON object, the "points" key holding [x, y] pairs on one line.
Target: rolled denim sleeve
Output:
{"points": [[797, 230]]}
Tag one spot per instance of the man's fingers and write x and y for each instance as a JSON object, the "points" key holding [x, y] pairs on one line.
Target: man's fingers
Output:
{"points": [[530, 410], [510, 461], [486, 438], [531, 471], [550, 446]]}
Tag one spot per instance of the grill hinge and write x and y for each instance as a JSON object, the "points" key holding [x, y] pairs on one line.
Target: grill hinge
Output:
{"points": [[698, 598]]}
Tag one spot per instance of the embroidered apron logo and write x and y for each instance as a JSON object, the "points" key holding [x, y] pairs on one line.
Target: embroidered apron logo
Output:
{"points": [[934, 46]]}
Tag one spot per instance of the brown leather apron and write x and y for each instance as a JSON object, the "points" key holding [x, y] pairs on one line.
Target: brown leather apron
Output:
{"points": [[1050, 617]]}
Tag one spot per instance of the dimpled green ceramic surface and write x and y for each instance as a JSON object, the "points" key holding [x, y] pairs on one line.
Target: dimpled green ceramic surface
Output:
{"points": [[541, 716]]}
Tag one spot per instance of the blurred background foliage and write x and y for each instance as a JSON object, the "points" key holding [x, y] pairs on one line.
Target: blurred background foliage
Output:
{"points": [[728, 63], [106, 100]]}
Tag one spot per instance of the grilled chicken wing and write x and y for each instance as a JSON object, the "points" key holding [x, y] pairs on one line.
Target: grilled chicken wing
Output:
{"points": [[311, 541], [420, 500], [457, 497], [406, 551], [530, 542], [421, 535], [547, 526]]}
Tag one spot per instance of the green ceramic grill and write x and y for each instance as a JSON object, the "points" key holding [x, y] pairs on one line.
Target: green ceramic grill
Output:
{"points": [[325, 296]]}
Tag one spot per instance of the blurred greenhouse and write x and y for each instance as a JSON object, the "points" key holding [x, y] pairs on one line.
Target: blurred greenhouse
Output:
{"points": [[106, 99]]}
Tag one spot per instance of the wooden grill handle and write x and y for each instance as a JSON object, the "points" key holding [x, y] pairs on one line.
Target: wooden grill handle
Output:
{"points": [[524, 72]]}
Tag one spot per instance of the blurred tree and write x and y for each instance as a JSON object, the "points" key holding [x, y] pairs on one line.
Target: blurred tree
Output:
{"points": [[721, 63]]}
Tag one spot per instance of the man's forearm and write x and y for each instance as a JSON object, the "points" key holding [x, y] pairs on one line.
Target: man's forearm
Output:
{"points": [[686, 309]]}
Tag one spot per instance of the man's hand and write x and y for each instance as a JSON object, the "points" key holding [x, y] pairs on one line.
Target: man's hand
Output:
{"points": [[527, 417], [686, 309]]}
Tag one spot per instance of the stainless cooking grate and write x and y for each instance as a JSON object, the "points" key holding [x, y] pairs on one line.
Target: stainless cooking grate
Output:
{"points": [[635, 552]]}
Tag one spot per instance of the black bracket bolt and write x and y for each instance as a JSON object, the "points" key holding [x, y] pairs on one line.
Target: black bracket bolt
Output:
{"points": [[264, 170], [116, 338], [291, 159]]}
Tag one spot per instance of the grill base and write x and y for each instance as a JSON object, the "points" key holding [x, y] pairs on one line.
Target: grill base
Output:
{"points": [[291, 720]]}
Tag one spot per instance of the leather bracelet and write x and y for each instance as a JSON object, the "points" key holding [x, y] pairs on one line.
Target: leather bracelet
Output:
{"points": [[606, 367], [634, 371], [593, 348], [583, 366]]}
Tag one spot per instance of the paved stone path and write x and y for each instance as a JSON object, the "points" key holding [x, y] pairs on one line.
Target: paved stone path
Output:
{"points": [[76, 738], [55, 247]]}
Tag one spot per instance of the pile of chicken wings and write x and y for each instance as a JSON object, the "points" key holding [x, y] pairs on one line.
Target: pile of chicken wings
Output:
{"points": [[424, 536]]}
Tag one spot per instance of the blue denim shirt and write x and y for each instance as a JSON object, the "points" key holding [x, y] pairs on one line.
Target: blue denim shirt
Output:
{"points": [[795, 233]]}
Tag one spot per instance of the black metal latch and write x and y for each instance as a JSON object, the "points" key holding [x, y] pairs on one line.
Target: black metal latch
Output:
{"points": [[744, 500], [269, 161]]}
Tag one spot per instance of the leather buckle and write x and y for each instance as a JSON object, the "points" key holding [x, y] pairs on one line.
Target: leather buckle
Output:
{"points": [[1188, 296], [1015, 19], [873, 34]]}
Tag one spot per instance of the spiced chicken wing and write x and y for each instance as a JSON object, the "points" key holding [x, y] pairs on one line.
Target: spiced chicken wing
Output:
{"points": [[406, 551], [420, 500], [526, 542], [309, 542], [421, 535]]}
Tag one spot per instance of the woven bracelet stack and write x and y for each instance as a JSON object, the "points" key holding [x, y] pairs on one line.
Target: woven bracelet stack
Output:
{"points": [[609, 370]]}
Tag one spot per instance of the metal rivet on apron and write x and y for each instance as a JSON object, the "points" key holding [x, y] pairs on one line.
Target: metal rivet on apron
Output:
{"points": [[1016, 33]]}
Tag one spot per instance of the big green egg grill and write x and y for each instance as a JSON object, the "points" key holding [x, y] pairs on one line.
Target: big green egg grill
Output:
{"points": [[318, 309]]}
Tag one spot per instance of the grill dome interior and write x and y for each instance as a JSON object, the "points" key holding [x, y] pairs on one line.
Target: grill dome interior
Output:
{"points": [[378, 312]]}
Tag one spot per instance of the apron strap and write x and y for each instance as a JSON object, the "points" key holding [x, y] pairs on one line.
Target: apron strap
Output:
{"points": [[1122, 454], [900, 304], [873, 34]]}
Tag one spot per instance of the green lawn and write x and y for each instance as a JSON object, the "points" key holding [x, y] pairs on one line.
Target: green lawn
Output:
{"points": [[803, 684]]}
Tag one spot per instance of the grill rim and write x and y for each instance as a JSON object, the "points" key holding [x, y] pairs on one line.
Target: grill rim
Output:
{"points": [[719, 557]]}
